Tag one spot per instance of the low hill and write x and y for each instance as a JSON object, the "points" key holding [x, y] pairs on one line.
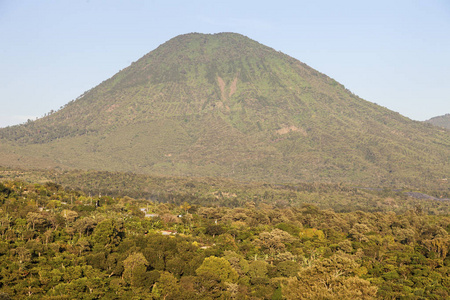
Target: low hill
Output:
{"points": [[219, 192], [224, 105]]}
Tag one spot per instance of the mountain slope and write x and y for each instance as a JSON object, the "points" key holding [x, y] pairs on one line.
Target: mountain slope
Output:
{"points": [[441, 121], [225, 105]]}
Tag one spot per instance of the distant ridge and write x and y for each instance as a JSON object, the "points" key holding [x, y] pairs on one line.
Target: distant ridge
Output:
{"points": [[223, 105], [441, 121]]}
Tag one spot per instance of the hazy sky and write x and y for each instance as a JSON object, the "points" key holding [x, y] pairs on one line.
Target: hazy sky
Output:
{"points": [[394, 53]]}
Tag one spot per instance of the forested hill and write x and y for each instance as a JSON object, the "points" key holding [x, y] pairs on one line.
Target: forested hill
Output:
{"points": [[225, 105], [441, 121]]}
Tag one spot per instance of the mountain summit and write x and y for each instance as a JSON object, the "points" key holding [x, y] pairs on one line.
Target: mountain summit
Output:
{"points": [[225, 105]]}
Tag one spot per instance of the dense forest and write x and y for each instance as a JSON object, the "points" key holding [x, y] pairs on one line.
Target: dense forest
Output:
{"points": [[62, 243]]}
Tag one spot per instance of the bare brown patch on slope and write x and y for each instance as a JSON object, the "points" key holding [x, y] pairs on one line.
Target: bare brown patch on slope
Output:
{"points": [[293, 128], [112, 107], [222, 87], [233, 87]]}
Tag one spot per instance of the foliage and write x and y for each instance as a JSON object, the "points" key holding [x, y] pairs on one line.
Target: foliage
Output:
{"points": [[58, 244]]}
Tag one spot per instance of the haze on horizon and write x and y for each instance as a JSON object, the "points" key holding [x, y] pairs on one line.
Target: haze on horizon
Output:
{"points": [[391, 53]]}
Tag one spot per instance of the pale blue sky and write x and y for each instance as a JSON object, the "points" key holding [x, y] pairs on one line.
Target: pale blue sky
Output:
{"points": [[394, 53]]}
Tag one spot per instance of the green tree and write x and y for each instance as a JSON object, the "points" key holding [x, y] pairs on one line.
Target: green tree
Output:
{"points": [[166, 287], [331, 278], [107, 234], [135, 266], [213, 267]]}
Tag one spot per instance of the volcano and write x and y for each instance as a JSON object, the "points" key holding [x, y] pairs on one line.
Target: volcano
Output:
{"points": [[224, 105]]}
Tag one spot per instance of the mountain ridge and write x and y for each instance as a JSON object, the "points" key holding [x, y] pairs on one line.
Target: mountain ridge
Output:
{"points": [[441, 121], [225, 105]]}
